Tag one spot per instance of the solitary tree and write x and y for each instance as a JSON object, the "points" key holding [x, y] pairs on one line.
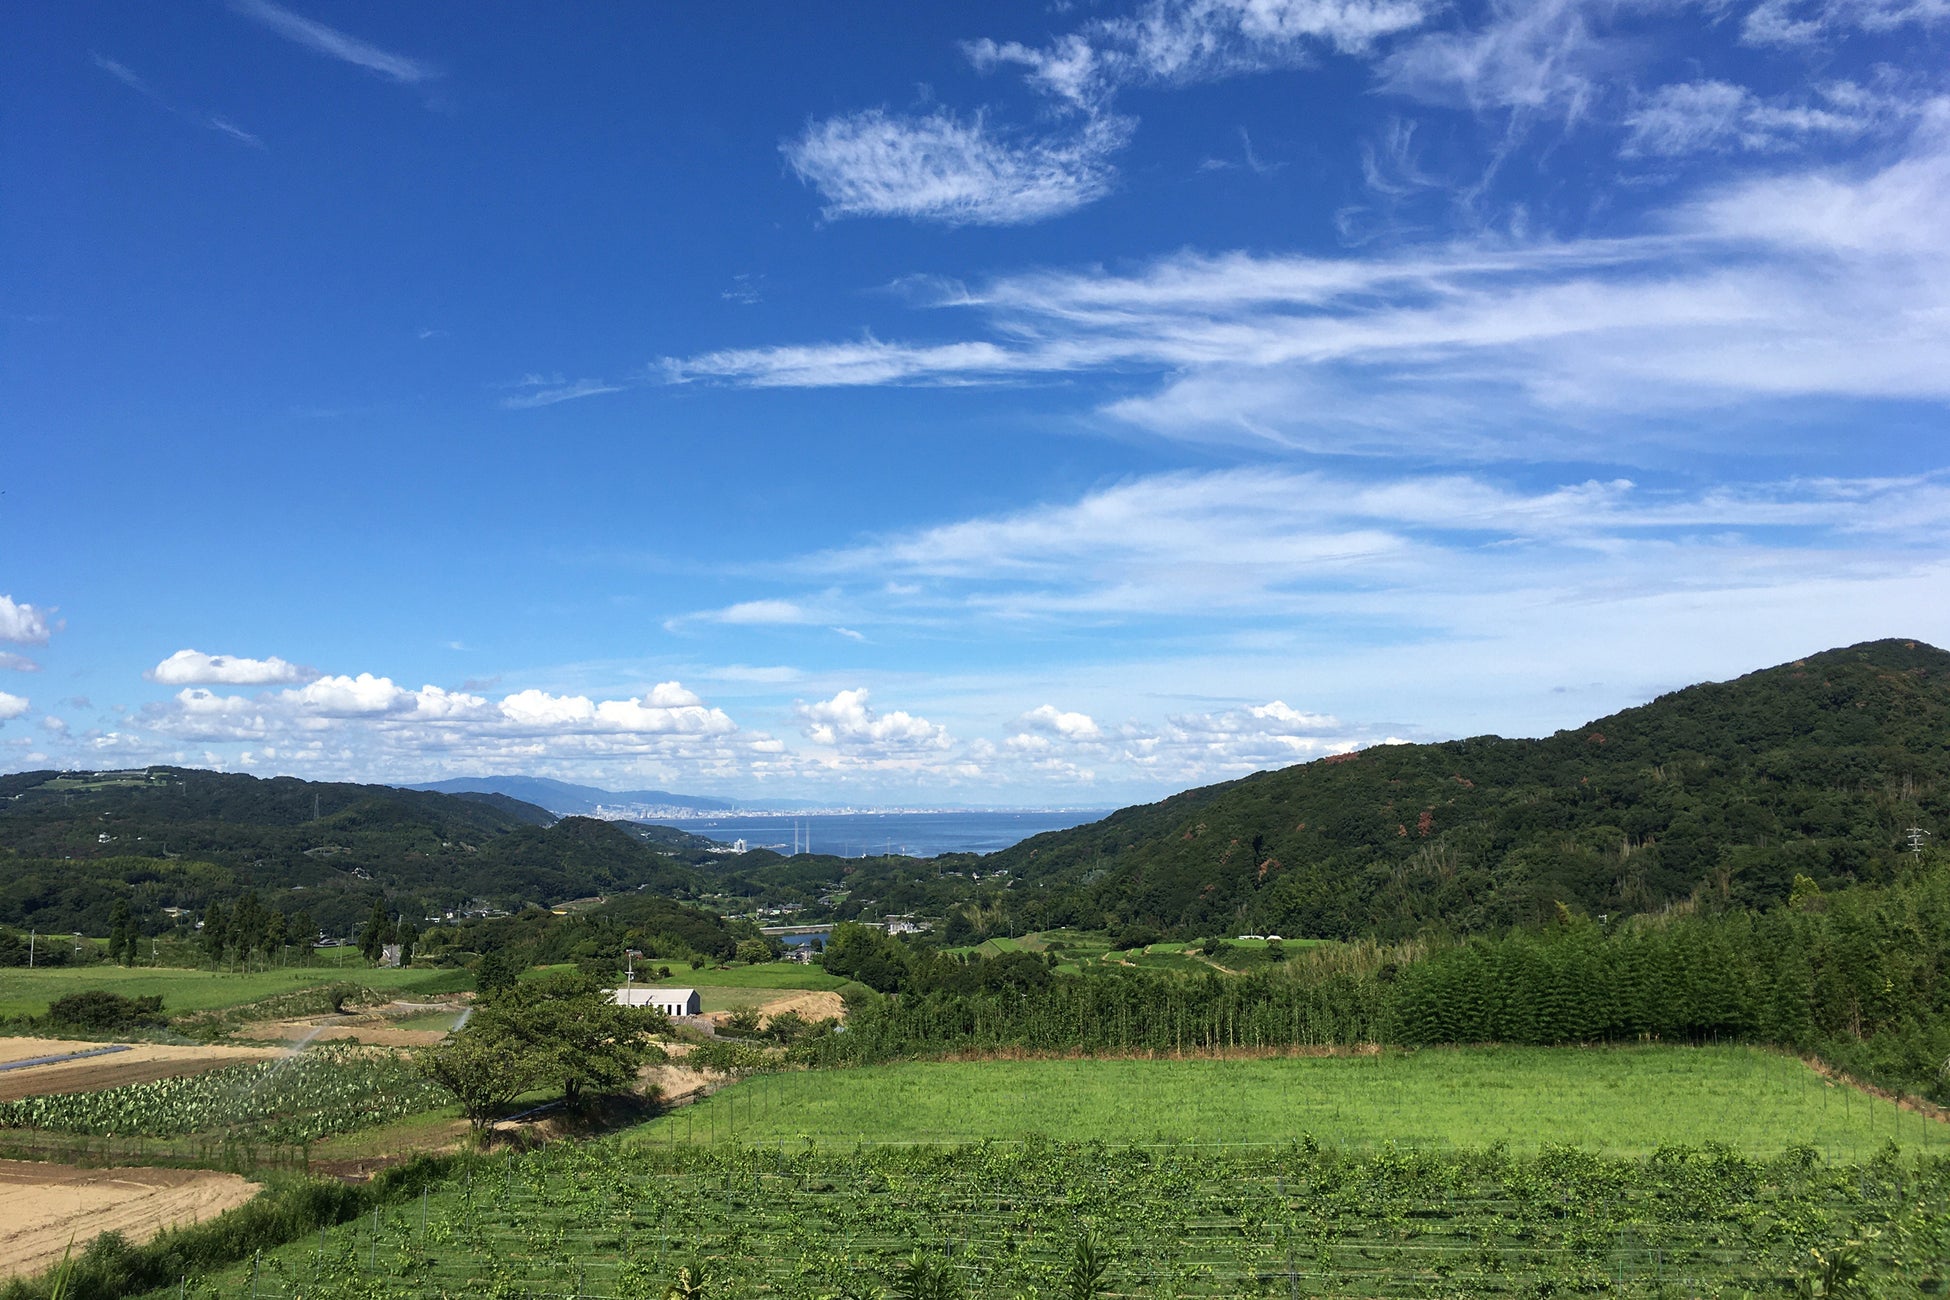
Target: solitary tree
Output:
{"points": [[481, 1073], [378, 931]]}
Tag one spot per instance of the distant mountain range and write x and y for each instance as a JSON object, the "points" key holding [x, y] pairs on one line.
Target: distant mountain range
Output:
{"points": [[568, 800]]}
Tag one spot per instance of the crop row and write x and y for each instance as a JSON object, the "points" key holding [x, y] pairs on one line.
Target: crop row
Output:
{"points": [[329, 1088], [607, 1219]]}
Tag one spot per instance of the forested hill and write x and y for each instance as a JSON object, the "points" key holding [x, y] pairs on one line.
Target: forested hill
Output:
{"points": [[71, 842], [1730, 789]]}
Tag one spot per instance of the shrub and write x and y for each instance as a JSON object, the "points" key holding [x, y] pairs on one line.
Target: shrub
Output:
{"points": [[101, 1012]]}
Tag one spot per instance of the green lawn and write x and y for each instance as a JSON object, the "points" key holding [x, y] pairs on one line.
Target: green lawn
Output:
{"points": [[1626, 1101], [25, 992]]}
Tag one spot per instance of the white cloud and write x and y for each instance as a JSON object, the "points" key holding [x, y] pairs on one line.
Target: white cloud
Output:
{"points": [[1276, 548], [13, 706], [17, 663], [1177, 42], [1810, 22], [760, 612], [1815, 282], [847, 721], [1050, 720], [938, 167], [54, 726], [553, 391], [25, 624], [1712, 116], [333, 43], [1536, 55], [193, 667]]}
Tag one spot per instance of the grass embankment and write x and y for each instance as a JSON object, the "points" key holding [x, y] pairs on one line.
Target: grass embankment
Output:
{"points": [[1622, 1101], [25, 992]]}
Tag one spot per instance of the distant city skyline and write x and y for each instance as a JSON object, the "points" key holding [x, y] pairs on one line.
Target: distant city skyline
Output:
{"points": [[1009, 405]]}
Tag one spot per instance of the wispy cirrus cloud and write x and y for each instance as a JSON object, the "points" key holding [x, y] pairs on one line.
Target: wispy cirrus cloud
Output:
{"points": [[944, 167], [1807, 282], [335, 44], [1814, 22], [140, 85], [535, 391]]}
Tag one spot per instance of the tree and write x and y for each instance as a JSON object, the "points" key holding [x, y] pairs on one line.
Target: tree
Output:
{"points": [[481, 1073], [497, 970], [565, 1026], [121, 934], [409, 934], [302, 930], [216, 932], [247, 926], [378, 931], [754, 951]]}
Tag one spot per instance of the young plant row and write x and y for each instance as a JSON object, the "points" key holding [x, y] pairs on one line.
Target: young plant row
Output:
{"points": [[606, 1219]]}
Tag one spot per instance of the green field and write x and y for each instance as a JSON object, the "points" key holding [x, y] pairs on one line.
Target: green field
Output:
{"points": [[772, 975], [25, 992], [605, 1219], [1625, 1100]]}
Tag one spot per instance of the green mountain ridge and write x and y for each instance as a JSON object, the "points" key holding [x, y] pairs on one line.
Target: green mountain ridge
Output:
{"points": [[1726, 791], [71, 842]]}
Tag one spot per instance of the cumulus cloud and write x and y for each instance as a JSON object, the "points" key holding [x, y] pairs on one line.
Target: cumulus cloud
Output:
{"points": [[432, 721], [193, 667], [17, 663], [847, 721], [13, 706], [1050, 720], [25, 624], [940, 167]]}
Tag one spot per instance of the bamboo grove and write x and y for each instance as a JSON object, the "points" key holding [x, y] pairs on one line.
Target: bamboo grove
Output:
{"points": [[1857, 977]]}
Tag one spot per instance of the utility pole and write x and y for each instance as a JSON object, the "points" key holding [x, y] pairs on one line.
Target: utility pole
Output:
{"points": [[1916, 837]]}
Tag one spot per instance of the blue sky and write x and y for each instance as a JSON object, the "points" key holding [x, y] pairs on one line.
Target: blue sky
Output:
{"points": [[1032, 404]]}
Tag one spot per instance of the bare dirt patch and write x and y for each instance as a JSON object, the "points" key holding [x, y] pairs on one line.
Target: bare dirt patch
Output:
{"points": [[142, 1063], [43, 1207], [821, 1004], [374, 1033]]}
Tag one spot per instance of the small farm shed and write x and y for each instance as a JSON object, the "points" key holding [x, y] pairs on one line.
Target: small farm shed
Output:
{"points": [[672, 1002]]}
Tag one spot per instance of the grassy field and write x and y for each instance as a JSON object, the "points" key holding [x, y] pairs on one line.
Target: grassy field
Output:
{"points": [[25, 992], [773, 975], [1623, 1101]]}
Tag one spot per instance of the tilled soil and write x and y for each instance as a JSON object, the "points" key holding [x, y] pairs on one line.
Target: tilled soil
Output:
{"points": [[44, 1207], [142, 1063]]}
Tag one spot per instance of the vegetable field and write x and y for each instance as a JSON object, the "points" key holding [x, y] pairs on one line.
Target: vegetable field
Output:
{"points": [[329, 1088], [25, 992], [1625, 1101], [611, 1219]]}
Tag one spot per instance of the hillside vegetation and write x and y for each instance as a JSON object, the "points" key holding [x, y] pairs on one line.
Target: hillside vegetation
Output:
{"points": [[1726, 790], [73, 844]]}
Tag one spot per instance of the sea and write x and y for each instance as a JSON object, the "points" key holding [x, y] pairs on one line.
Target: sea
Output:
{"points": [[912, 834]]}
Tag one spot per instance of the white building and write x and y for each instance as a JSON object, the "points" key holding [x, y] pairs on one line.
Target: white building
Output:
{"points": [[672, 1002]]}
